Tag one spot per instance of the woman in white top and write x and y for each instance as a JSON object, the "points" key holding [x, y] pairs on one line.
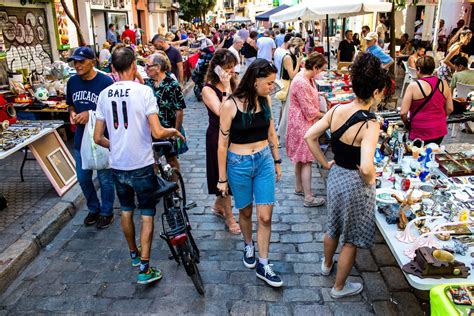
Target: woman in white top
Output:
{"points": [[104, 57]]}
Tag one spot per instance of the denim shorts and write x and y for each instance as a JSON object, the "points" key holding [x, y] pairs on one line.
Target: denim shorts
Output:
{"points": [[140, 181], [252, 177]]}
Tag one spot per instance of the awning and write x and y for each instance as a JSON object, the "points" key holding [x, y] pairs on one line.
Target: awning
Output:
{"points": [[238, 19], [265, 16]]}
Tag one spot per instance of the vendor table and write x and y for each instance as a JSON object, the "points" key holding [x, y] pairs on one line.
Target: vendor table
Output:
{"points": [[389, 232], [49, 151]]}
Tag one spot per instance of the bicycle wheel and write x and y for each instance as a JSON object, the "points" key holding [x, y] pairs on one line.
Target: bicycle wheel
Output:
{"points": [[187, 258]]}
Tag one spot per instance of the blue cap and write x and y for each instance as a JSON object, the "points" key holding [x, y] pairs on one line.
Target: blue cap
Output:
{"points": [[81, 53]]}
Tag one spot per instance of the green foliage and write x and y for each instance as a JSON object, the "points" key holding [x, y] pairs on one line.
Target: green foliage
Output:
{"points": [[195, 8], [402, 4]]}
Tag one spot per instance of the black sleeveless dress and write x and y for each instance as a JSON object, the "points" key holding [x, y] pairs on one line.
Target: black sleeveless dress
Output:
{"points": [[212, 137]]}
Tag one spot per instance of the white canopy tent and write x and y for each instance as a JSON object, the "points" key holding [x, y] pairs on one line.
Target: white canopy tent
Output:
{"points": [[320, 10]]}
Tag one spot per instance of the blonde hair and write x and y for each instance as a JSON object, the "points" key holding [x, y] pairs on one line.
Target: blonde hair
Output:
{"points": [[295, 41]]}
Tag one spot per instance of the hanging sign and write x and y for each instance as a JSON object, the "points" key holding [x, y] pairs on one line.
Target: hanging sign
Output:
{"points": [[61, 26]]}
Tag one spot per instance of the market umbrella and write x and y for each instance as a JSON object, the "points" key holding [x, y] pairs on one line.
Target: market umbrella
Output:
{"points": [[298, 12], [265, 16], [238, 19]]}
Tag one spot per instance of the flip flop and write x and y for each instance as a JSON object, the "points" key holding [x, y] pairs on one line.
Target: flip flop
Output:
{"points": [[300, 193], [233, 228], [315, 202], [217, 213]]}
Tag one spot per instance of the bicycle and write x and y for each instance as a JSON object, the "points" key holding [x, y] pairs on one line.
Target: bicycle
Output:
{"points": [[176, 226]]}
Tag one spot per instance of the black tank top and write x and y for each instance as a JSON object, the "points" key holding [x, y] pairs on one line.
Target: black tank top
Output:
{"points": [[348, 156], [249, 51], [285, 75], [213, 118], [251, 129]]}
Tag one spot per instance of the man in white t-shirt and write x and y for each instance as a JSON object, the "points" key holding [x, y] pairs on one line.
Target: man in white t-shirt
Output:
{"points": [[130, 113], [381, 28], [235, 49], [280, 52], [265, 46]]}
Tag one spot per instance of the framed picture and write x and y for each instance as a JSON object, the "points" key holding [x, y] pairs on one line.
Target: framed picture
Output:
{"points": [[62, 166], [56, 161]]}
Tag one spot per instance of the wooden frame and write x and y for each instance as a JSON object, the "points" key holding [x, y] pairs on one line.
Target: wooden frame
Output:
{"points": [[56, 161]]}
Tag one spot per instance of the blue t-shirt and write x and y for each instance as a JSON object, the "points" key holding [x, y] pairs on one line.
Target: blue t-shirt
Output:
{"points": [[83, 95], [380, 54]]}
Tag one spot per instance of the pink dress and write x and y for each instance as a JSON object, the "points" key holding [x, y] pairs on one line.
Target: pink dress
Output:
{"points": [[302, 114]]}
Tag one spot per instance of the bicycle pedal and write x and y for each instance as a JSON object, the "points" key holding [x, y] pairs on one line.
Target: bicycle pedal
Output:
{"points": [[190, 205]]}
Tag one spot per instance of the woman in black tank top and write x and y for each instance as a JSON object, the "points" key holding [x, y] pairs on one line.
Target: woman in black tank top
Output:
{"points": [[351, 180], [214, 94], [249, 161]]}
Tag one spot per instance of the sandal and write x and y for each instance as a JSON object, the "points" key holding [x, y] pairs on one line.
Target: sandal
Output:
{"points": [[315, 202], [217, 213], [233, 228], [300, 193]]}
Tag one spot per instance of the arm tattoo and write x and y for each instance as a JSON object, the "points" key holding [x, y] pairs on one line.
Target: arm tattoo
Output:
{"points": [[271, 145], [224, 133]]}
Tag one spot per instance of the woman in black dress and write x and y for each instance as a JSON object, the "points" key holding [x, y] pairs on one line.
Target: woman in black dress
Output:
{"points": [[219, 84]]}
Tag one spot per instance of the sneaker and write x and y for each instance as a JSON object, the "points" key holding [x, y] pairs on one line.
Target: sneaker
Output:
{"points": [[136, 261], [249, 256], [266, 273], [150, 276], [104, 221], [325, 270], [349, 289], [91, 219]]}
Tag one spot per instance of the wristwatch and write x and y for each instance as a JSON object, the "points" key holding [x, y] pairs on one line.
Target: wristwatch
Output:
{"points": [[224, 94], [277, 161]]}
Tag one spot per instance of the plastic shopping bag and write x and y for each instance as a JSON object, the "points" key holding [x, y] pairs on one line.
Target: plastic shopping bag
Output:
{"points": [[94, 157]]}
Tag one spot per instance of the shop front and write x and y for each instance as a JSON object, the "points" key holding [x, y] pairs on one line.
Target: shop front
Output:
{"points": [[163, 11], [96, 15]]}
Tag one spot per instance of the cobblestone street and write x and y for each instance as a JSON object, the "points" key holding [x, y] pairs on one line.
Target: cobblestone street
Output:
{"points": [[86, 270]]}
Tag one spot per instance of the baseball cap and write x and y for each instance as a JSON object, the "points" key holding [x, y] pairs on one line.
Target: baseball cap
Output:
{"points": [[81, 53], [372, 36]]}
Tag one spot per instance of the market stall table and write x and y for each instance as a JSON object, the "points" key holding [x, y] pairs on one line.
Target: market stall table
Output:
{"points": [[390, 231], [47, 147]]}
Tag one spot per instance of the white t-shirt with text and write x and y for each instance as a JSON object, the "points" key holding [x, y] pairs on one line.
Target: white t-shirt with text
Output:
{"points": [[125, 107]]}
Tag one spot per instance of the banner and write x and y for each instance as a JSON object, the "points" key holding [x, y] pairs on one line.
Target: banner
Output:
{"points": [[62, 30]]}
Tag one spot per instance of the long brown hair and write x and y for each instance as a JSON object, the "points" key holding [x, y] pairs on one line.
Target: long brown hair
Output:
{"points": [[225, 59]]}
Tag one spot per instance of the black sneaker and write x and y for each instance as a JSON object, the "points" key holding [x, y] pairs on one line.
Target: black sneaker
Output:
{"points": [[249, 256], [104, 221], [266, 273], [91, 219]]}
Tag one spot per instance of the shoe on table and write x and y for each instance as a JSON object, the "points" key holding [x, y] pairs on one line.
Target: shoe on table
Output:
{"points": [[91, 219], [326, 270], [349, 289], [150, 276], [249, 259], [266, 273], [104, 221]]}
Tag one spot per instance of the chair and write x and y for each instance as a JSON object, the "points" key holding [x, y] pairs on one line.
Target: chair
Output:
{"points": [[463, 89], [410, 75]]}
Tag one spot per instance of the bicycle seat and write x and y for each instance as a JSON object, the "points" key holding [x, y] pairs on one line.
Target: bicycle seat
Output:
{"points": [[165, 147], [164, 187]]}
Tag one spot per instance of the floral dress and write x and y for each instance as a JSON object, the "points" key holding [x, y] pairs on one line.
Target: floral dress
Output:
{"points": [[170, 99], [302, 114]]}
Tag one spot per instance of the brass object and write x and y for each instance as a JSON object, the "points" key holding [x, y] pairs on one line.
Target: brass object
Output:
{"points": [[457, 271], [443, 255]]}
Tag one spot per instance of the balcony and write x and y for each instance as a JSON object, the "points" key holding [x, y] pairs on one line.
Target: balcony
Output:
{"points": [[162, 4]]}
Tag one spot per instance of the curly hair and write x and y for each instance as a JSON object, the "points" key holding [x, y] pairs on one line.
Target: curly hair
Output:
{"points": [[368, 75], [223, 58]]}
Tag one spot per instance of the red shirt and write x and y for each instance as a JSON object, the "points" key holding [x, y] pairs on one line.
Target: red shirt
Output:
{"points": [[130, 34]]}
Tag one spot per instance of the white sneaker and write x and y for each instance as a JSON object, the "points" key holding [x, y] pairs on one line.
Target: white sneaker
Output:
{"points": [[325, 270], [348, 290]]}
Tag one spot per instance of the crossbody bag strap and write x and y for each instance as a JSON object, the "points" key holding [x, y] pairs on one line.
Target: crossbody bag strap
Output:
{"points": [[426, 100]]}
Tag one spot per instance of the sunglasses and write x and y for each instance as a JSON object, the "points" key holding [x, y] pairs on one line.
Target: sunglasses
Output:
{"points": [[150, 66]]}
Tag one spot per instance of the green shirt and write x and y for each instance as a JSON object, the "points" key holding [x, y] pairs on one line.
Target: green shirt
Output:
{"points": [[465, 76]]}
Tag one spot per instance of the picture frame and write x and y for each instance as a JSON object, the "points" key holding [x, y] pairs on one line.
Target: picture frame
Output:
{"points": [[62, 165]]}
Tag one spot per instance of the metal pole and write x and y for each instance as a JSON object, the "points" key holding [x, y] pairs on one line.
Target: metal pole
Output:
{"points": [[435, 37], [327, 39]]}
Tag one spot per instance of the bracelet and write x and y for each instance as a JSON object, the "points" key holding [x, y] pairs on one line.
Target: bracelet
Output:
{"points": [[278, 161], [223, 181]]}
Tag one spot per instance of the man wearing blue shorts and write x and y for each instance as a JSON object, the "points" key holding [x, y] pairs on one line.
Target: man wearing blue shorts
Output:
{"points": [[130, 113]]}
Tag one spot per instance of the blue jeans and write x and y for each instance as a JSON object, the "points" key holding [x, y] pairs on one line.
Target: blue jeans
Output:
{"points": [[106, 182], [252, 177]]}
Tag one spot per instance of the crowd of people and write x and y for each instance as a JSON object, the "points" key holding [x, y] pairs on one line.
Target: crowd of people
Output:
{"points": [[243, 160]]}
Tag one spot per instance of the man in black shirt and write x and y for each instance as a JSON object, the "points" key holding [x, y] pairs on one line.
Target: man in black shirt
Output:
{"points": [[346, 50]]}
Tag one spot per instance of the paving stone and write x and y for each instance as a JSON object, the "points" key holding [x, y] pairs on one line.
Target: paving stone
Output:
{"points": [[307, 267], [351, 308], [305, 310], [394, 278], [248, 308], [279, 310], [301, 295], [365, 262], [92, 305], [310, 247], [119, 290], [294, 218], [327, 297], [130, 306], [375, 286], [317, 281], [214, 276], [407, 305], [54, 289], [302, 257], [296, 238], [242, 277], [383, 256], [263, 292], [386, 308]]}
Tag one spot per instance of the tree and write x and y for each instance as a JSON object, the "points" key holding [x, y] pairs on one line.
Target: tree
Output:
{"points": [[80, 36], [195, 8]]}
